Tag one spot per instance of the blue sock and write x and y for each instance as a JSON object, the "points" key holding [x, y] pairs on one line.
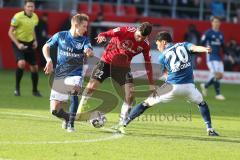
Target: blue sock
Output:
{"points": [[203, 108], [73, 108], [217, 87], [210, 82], [135, 112]]}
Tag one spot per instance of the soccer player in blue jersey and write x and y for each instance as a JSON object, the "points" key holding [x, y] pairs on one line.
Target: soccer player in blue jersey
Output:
{"points": [[214, 38], [176, 60], [73, 47]]}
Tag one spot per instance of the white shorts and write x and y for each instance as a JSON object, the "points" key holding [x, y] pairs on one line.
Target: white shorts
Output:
{"points": [[168, 92], [215, 66], [61, 88]]}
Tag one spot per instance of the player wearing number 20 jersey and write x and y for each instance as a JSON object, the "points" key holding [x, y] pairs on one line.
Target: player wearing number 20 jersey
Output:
{"points": [[176, 60]]}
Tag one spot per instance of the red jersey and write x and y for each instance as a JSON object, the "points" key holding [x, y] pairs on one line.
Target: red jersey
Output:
{"points": [[123, 47]]}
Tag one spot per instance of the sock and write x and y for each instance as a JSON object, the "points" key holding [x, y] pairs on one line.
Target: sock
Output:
{"points": [[203, 108], [71, 119], [73, 109], [217, 87], [135, 112], [74, 104], [34, 76], [125, 111], [210, 82], [19, 74], [61, 114]]}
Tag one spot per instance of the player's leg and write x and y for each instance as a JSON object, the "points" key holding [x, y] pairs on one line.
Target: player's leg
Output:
{"points": [[72, 112], [19, 55], [218, 76], [57, 110], [30, 58], [124, 78], [73, 85], [99, 74], [87, 93], [195, 96], [19, 75], [128, 89], [165, 93], [35, 78], [204, 86], [56, 105]]}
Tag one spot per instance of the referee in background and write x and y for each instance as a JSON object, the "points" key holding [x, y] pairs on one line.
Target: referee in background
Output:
{"points": [[22, 34]]}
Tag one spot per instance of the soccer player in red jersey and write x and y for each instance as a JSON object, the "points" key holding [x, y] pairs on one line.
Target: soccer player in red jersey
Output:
{"points": [[125, 43]]}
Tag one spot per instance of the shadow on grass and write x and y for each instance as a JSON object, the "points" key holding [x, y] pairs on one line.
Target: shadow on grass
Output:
{"points": [[186, 137]]}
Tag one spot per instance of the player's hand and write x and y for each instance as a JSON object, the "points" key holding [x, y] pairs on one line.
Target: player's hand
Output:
{"points": [[89, 52], [35, 44], [21, 46], [208, 49], [100, 39], [49, 67]]}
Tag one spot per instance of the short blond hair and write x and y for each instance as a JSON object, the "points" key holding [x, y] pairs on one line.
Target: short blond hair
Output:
{"points": [[80, 17]]}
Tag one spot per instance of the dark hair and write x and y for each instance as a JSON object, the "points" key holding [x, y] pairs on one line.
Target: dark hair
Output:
{"points": [[80, 17], [164, 36], [26, 1], [215, 17], [145, 28]]}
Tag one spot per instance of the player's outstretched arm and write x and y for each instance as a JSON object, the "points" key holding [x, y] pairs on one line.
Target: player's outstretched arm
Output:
{"points": [[46, 53], [195, 48]]}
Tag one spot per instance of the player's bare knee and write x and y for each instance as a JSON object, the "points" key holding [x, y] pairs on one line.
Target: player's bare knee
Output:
{"points": [[218, 76], [21, 64], [34, 68]]}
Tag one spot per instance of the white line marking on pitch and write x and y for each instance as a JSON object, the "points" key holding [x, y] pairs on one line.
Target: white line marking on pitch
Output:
{"points": [[114, 136]]}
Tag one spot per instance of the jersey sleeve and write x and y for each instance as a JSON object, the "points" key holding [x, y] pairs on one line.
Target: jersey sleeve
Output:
{"points": [[119, 31], [53, 41], [204, 38], [188, 45], [87, 45], [36, 20], [14, 21]]}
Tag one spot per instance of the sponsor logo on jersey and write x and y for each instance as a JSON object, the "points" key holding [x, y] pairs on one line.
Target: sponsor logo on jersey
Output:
{"points": [[79, 46]]}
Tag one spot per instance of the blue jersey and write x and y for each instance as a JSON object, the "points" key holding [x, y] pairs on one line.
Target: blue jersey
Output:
{"points": [[215, 40], [70, 53], [176, 59]]}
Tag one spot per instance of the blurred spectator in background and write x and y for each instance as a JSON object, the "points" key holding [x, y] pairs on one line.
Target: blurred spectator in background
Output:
{"points": [[181, 4], [96, 29], [193, 36], [42, 36], [67, 23], [217, 8], [11, 3], [231, 57], [236, 19]]}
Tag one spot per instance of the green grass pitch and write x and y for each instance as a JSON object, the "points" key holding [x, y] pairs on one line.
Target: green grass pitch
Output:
{"points": [[173, 131]]}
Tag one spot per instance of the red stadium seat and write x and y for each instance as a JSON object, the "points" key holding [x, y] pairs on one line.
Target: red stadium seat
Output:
{"points": [[131, 11], [108, 9], [122, 10], [96, 8], [83, 7]]}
